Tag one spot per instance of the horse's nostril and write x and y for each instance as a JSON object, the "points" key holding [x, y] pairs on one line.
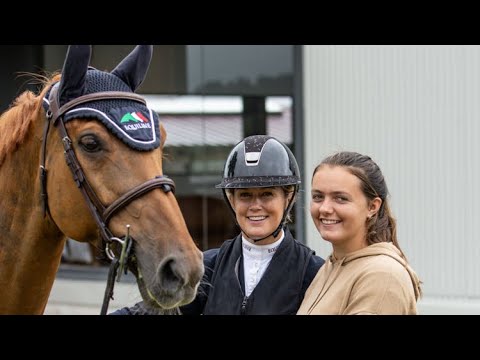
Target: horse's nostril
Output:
{"points": [[170, 275]]}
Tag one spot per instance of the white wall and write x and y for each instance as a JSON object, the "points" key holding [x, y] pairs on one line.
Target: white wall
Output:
{"points": [[416, 111]]}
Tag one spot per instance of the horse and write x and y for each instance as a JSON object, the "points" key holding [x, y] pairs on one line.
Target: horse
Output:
{"points": [[97, 178]]}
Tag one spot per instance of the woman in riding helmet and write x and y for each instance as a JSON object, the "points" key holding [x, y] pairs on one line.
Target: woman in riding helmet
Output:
{"points": [[263, 270]]}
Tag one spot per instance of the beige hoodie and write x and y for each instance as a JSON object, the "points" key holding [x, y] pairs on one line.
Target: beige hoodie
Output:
{"points": [[372, 280]]}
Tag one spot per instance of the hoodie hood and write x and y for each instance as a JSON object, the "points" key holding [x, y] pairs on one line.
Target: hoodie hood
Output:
{"points": [[387, 249]]}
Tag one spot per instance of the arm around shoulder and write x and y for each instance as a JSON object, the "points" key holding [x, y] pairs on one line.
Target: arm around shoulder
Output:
{"points": [[137, 309]]}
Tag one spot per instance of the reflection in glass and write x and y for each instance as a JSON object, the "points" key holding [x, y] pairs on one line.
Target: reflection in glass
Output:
{"points": [[240, 69]]}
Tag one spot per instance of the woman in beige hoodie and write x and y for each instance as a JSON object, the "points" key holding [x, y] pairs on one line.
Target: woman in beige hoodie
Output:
{"points": [[367, 273]]}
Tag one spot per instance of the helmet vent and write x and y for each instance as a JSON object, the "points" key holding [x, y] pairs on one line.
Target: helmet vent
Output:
{"points": [[252, 158]]}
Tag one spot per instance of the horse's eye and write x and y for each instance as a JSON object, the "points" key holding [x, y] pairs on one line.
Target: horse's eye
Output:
{"points": [[90, 143]]}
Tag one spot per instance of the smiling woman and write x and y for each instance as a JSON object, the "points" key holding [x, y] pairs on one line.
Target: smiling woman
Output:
{"points": [[367, 272]]}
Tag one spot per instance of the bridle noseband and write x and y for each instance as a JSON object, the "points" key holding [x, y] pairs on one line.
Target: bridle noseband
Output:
{"points": [[101, 214]]}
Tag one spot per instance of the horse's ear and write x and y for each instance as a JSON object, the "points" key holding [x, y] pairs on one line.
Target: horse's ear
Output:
{"points": [[72, 84], [134, 67]]}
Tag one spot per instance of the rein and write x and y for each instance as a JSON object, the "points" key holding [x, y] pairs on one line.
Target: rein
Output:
{"points": [[101, 214]]}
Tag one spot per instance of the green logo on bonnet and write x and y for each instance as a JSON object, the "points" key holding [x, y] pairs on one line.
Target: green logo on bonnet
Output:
{"points": [[134, 116]]}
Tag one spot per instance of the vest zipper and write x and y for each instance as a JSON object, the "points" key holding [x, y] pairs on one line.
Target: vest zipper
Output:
{"points": [[244, 305]]}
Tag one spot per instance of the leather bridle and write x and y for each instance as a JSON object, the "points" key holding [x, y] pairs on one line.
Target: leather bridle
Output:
{"points": [[101, 213]]}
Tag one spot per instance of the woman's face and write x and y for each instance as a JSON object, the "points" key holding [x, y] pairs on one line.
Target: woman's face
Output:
{"points": [[340, 209], [259, 211]]}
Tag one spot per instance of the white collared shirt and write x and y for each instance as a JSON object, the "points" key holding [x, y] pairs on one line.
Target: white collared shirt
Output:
{"points": [[255, 261]]}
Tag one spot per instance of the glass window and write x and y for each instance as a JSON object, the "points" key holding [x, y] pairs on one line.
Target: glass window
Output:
{"points": [[240, 69]]}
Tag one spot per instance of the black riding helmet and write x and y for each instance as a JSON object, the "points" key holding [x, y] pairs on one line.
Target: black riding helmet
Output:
{"points": [[261, 161]]}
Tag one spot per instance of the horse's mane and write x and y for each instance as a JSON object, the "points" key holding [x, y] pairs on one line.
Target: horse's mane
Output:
{"points": [[15, 122]]}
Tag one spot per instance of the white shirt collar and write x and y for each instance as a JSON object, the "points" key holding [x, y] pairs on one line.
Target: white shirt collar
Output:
{"points": [[260, 251]]}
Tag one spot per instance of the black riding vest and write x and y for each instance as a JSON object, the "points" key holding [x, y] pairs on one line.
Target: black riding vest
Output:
{"points": [[278, 291]]}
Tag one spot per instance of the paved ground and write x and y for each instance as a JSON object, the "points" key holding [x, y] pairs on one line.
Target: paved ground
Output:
{"points": [[79, 290]]}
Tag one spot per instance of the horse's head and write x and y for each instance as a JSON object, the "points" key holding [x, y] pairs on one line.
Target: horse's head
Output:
{"points": [[116, 144]]}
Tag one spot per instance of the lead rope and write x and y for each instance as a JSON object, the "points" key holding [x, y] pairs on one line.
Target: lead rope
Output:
{"points": [[112, 272], [115, 265]]}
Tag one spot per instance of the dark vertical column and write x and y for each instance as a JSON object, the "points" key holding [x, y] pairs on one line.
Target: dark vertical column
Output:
{"points": [[302, 202], [254, 116]]}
